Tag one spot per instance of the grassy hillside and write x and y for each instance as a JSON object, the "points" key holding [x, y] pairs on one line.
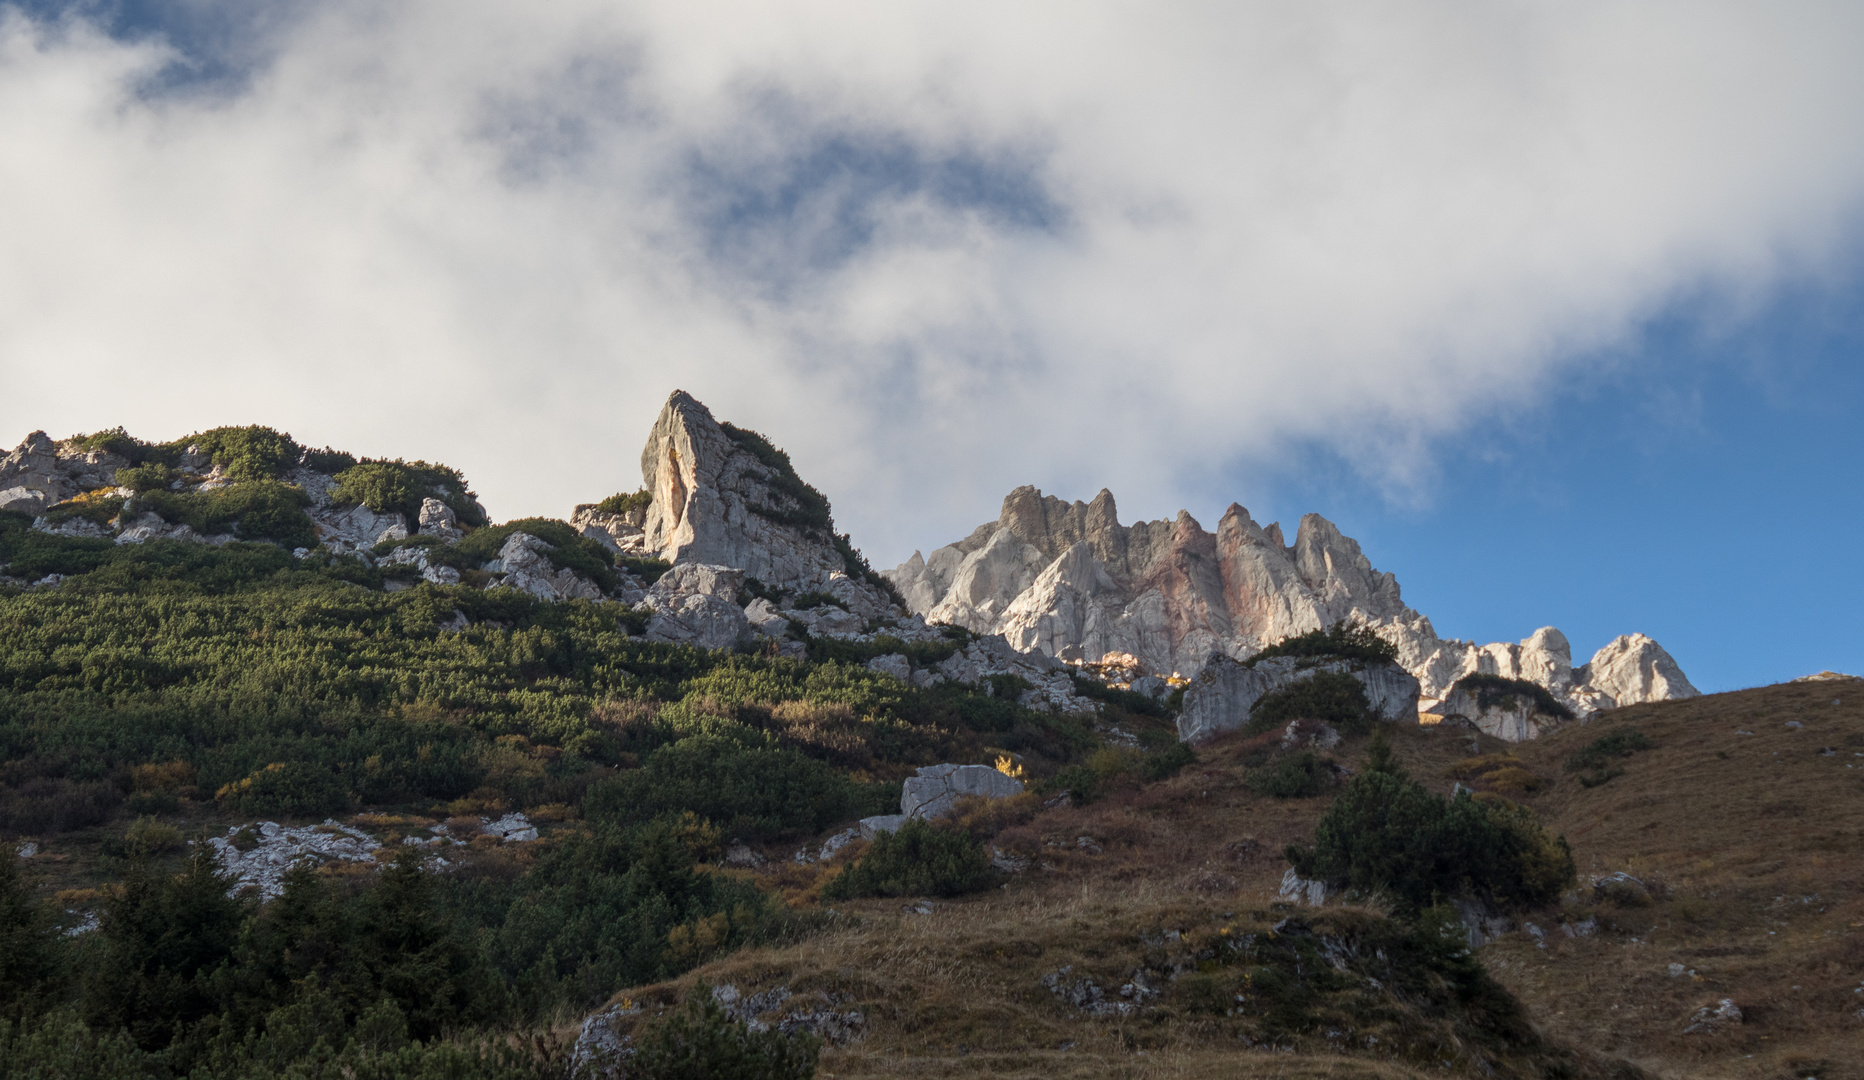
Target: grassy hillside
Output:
{"points": [[1748, 846]]}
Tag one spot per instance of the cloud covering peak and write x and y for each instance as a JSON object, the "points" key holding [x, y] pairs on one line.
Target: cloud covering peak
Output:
{"points": [[935, 250]]}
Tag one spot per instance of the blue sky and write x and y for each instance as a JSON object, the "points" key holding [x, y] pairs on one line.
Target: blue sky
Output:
{"points": [[1555, 308], [1703, 486]]}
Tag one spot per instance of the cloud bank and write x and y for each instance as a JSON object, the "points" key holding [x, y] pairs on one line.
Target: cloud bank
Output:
{"points": [[936, 250]]}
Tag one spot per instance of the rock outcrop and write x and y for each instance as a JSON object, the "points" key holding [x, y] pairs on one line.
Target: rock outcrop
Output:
{"points": [[1069, 580], [934, 790], [1218, 700], [723, 496], [1512, 717]]}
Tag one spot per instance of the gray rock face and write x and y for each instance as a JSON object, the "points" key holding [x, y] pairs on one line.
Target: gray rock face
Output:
{"points": [[698, 620], [714, 501], [1634, 669], [1069, 579], [356, 528], [30, 479], [1218, 700], [937, 788], [438, 519], [620, 533], [1513, 718], [696, 579], [525, 566]]}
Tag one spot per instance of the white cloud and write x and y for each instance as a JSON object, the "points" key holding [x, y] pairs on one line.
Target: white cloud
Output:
{"points": [[936, 250]]}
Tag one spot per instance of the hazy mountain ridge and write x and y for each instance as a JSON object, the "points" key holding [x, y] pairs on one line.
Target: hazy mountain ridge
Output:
{"points": [[1069, 579]]}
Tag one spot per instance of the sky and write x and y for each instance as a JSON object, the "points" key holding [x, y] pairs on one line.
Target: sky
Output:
{"points": [[1556, 307]]}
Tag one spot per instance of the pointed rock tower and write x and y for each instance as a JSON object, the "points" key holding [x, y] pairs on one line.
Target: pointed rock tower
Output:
{"points": [[722, 495]]}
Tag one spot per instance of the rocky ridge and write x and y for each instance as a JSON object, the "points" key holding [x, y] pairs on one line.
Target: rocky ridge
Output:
{"points": [[1071, 581]]}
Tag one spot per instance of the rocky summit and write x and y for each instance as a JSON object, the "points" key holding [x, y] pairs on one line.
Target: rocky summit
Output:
{"points": [[1070, 580]]}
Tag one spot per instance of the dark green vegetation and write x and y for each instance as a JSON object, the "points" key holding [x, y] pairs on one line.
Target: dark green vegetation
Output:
{"points": [[1595, 763], [1341, 641], [1414, 984], [202, 686], [1332, 696], [700, 1041], [1387, 835], [623, 504], [1493, 690], [386, 486], [918, 860], [1296, 776]]}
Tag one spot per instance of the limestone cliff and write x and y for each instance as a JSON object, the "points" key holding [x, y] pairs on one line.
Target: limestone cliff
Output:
{"points": [[1069, 579]]}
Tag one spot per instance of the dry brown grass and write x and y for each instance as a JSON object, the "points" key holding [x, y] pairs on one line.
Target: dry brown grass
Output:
{"points": [[1753, 842]]}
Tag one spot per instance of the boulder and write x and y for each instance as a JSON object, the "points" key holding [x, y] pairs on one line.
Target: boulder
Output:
{"points": [[696, 579], [620, 533], [356, 528], [935, 789], [438, 519], [525, 566], [894, 664], [763, 617], [1218, 700], [699, 620]]}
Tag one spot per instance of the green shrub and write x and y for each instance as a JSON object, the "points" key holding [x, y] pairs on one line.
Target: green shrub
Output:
{"points": [[1341, 641], [98, 506], [153, 476], [121, 443], [1386, 834], [918, 860], [648, 570], [700, 1041], [1600, 752], [256, 510], [1166, 762], [1125, 700], [755, 790], [1333, 696], [401, 486], [328, 461], [246, 453], [622, 504], [288, 789], [1493, 690], [1294, 776]]}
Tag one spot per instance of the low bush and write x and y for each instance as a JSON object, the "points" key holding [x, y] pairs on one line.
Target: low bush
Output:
{"points": [[1341, 641], [1333, 696], [100, 506], [623, 504], [286, 789], [401, 486], [256, 510], [246, 453], [1387, 834], [1596, 755], [1293, 776], [700, 1041], [750, 790], [1503, 774], [918, 860], [1125, 700]]}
